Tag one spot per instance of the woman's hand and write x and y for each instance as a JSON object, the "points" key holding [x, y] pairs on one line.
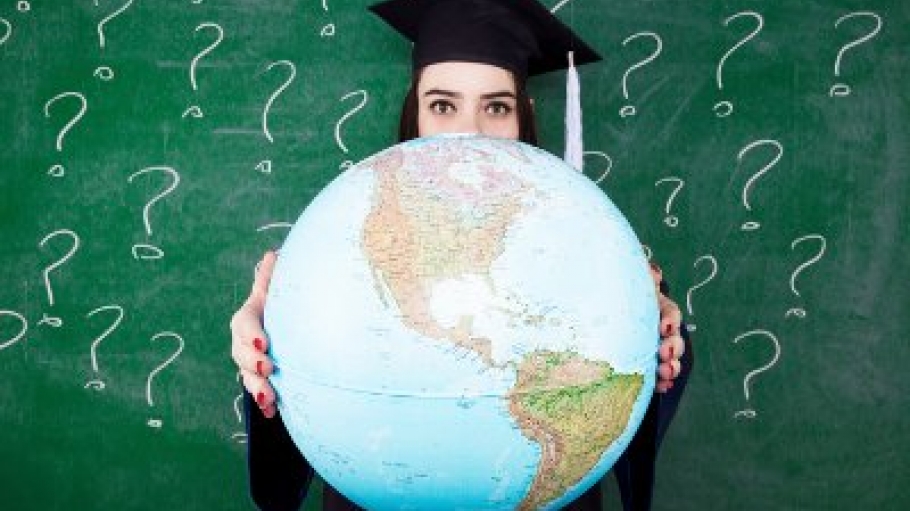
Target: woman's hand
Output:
{"points": [[671, 343], [248, 341]]}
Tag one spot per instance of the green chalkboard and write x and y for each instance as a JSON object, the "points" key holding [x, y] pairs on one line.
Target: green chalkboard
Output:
{"points": [[151, 151]]}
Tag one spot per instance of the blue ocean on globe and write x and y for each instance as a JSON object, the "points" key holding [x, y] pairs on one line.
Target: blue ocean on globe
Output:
{"points": [[462, 323]]}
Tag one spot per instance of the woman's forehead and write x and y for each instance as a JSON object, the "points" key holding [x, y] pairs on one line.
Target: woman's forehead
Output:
{"points": [[467, 77]]}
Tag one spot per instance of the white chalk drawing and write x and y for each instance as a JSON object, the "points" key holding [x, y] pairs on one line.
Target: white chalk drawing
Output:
{"points": [[46, 273], [154, 422], [750, 413], [725, 107], [144, 250], [97, 383], [629, 109]]}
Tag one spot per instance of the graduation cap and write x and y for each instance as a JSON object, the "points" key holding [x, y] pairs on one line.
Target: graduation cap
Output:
{"points": [[521, 36]]}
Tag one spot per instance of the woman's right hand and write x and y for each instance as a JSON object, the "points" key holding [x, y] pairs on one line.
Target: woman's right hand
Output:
{"points": [[249, 344]]}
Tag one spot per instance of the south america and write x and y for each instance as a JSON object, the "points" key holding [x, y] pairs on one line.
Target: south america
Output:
{"points": [[573, 408]]}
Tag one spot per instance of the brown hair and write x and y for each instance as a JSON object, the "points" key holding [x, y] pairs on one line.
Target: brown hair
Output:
{"points": [[408, 127]]}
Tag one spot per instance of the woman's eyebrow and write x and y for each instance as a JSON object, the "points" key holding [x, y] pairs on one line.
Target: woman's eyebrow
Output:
{"points": [[458, 95], [498, 94], [442, 92]]}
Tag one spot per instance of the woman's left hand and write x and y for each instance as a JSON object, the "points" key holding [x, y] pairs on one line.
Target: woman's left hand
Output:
{"points": [[671, 343]]}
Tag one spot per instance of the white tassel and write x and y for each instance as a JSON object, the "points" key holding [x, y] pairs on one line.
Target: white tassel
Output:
{"points": [[574, 145]]}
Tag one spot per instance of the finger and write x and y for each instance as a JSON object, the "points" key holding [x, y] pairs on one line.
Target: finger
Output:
{"points": [[246, 323], [668, 370], [262, 392], [664, 377], [656, 274], [247, 335], [670, 317], [671, 348], [264, 397], [665, 371], [250, 358], [260, 288]]}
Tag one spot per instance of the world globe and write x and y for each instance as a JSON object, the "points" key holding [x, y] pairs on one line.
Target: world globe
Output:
{"points": [[462, 323]]}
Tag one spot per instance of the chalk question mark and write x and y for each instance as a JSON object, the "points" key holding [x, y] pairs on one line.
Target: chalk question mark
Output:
{"points": [[108, 18], [329, 29], [671, 220], [265, 166], [629, 110], [142, 250], [752, 225], [239, 436], [338, 141], [54, 321], [797, 311], [606, 157], [19, 335], [194, 110], [750, 413], [842, 89], [156, 423], [278, 91], [58, 170], [725, 108], [709, 278], [97, 383], [9, 30], [105, 72]]}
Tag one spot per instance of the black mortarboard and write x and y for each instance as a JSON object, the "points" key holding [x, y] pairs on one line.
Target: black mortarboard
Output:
{"points": [[519, 35]]}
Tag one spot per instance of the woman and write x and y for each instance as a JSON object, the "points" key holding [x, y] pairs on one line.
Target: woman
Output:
{"points": [[471, 61]]}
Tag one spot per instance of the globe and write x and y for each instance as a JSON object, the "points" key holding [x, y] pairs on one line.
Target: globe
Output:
{"points": [[462, 322]]}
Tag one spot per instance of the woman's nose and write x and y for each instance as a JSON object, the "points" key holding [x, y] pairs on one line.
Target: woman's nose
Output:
{"points": [[471, 123]]}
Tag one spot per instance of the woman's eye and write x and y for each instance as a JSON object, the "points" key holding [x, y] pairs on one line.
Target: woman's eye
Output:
{"points": [[499, 108], [442, 107]]}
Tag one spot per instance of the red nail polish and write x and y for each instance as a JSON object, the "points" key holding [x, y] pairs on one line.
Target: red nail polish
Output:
{"points": [[257, 343], [260, 399], [260, 373]]}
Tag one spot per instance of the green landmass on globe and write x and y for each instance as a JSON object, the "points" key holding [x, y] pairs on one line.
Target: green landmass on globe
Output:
{"points": [[574, 408]]}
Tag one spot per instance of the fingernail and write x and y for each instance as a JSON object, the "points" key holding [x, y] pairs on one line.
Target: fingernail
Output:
{"points": [[260, 373], [668, 328], [260, 399], [257, 343]]}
